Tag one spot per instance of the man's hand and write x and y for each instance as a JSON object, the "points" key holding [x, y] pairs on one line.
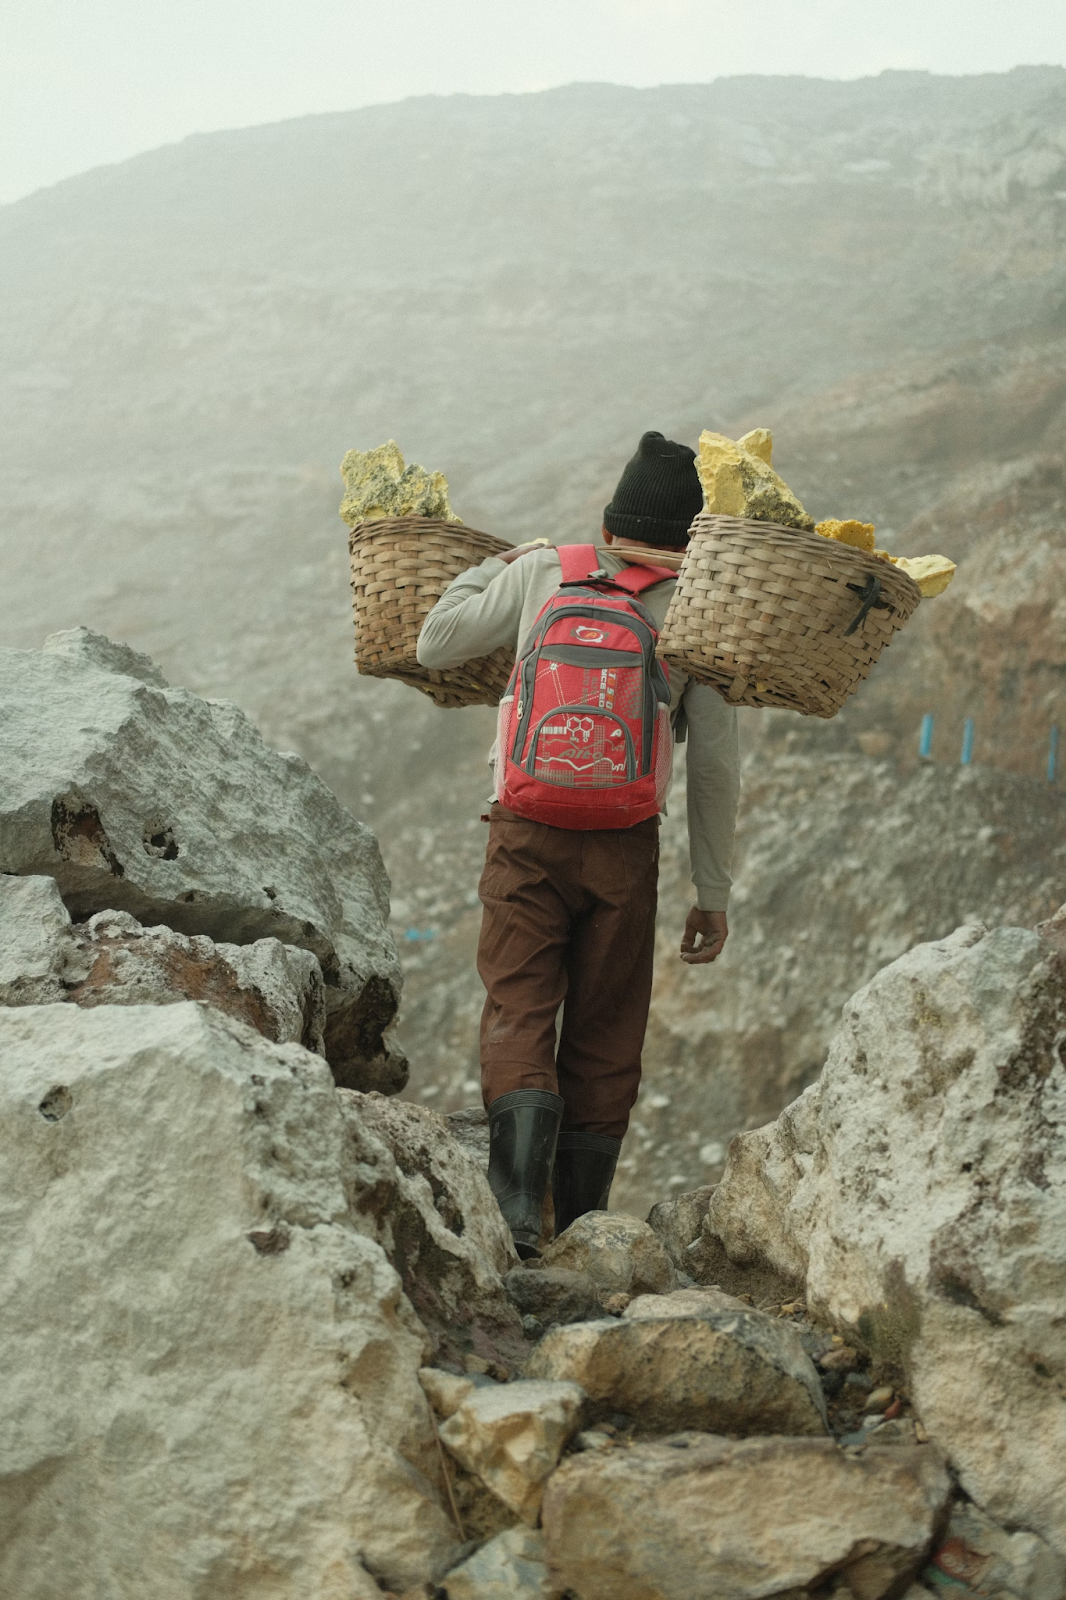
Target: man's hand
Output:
{"points": [[705, 934], [507, 556]]}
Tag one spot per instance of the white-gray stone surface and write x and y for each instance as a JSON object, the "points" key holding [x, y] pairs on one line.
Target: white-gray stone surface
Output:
{"points": [[725, 1371], [512, 1435], [619, 1253], [701, 1516], [34, 941], [919, 1188], [112, 960], [509, 1567], [210, 1374], [141, 798], [426, 1200]]}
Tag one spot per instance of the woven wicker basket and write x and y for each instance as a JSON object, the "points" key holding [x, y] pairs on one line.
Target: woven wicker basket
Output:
{"points": [[400, 568], [771, 616]]}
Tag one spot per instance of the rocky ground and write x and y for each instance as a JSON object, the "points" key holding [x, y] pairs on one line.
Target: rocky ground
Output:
{"points": [[296, 1351]]}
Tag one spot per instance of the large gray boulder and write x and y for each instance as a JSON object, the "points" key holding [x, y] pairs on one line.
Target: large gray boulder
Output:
{"points": [[210, 1371], [919, 1189], [700, 1516], [141, 798]]}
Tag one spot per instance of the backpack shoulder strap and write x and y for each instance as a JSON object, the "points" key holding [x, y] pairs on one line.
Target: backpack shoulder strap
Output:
{"points": [[636, 579], [577, 561]]}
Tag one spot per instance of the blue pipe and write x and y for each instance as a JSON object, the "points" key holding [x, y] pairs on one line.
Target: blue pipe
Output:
{"points": [[967, 743], [925, 738]]}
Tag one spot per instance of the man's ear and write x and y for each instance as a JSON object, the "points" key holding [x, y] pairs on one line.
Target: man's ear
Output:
{"points": [[608, 538]]}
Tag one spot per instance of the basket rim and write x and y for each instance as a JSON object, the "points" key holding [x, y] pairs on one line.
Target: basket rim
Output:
{"points": [[815, 544], [376, 525]]}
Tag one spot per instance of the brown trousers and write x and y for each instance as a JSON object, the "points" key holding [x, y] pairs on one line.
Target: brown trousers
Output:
{"points": [[569, 921]]}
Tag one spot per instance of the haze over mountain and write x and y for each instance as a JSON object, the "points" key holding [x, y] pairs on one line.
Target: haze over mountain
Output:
{"points": [[515, 288]]}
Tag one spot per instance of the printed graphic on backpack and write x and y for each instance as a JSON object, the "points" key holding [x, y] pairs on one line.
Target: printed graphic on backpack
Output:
{"points": [[583, 736]]}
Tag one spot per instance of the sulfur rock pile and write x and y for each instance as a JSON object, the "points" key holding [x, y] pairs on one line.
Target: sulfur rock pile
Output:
{"points": [[859, 535], [932, 574], [378, 484], [738, 480]]}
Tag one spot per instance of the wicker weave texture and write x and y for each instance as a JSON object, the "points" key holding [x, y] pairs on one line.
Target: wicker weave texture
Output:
{"points": [[400, 568], [761, 612]]}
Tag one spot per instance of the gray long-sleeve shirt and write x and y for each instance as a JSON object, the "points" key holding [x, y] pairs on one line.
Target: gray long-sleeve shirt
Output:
{"points": [[496, 603]]}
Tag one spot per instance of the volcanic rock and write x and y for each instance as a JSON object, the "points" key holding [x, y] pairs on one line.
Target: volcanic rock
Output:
{"points": [[679, 1222], [830, 849], [989, 1561], [552, 1294], [140, 798], [510, 1567], [426, 1200], [620, 1254], [210, 1375], [112, 960], [920, 1189], [34, 942], [512, 1435], [724, 1371], [445, 1391], [685, 1303], [700, 1515]]}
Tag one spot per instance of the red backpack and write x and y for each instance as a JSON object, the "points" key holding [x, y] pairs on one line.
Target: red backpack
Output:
{"points": [[584, 737]]}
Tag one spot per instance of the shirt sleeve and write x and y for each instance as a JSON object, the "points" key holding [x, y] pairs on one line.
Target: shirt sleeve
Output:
{"points": [[713, 792], [478, 611]]}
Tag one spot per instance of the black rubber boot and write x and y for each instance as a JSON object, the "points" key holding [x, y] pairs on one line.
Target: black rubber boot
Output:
{"points": [[523, 1127], [583, 1174]]}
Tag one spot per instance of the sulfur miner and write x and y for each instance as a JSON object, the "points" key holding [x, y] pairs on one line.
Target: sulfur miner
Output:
{"points": [[378, 484], [569, 886]]}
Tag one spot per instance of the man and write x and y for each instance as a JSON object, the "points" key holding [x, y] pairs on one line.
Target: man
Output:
{"points": [[569, 913]]}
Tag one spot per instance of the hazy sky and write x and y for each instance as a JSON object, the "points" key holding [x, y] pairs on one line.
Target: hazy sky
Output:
{"points": [[83, 82]]}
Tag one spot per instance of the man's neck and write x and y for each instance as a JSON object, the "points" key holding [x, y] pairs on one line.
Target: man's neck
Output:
{"points": [[652, 549]]}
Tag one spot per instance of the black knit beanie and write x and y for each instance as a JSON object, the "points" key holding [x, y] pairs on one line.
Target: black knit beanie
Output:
{"points": [[658, 494]]}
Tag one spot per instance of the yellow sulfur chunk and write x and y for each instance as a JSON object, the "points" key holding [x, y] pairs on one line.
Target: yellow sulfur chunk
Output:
{"points": [[860, 535], [738, 483], [932, 574], [759, 442], [377, 484]]}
